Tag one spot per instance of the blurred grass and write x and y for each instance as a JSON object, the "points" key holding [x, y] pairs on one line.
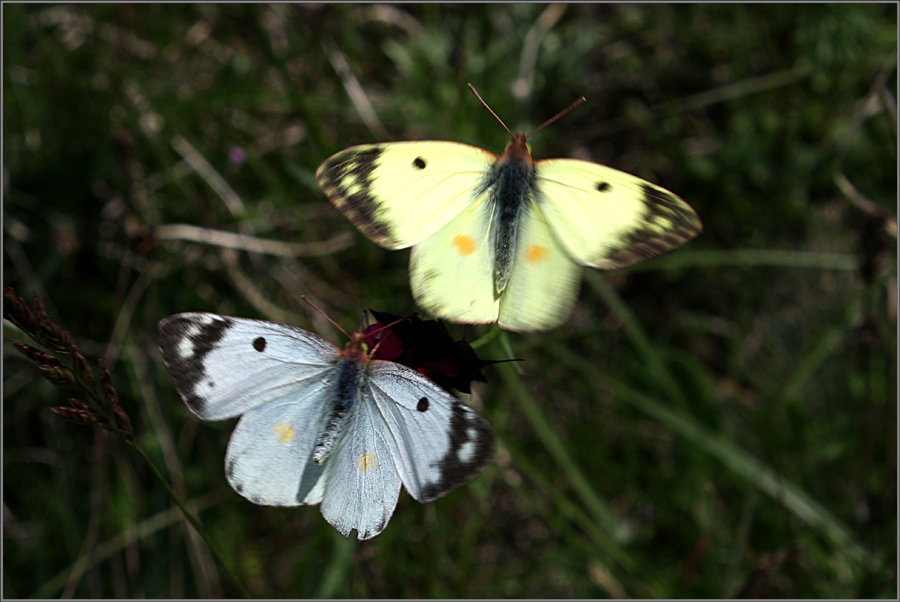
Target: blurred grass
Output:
{"points": [[717, 422]]}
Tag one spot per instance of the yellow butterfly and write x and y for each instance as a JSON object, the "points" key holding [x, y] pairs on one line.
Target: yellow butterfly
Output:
{"points": [[501, 239]]}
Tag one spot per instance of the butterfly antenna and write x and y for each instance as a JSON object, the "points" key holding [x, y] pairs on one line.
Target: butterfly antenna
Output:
{"points": [[326, 316], [557, 116], [474, 91]]}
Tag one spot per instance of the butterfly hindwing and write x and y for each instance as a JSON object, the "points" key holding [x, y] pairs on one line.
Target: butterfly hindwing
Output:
{"points": [[544, 281], [437, 442], [362, 484], [269, 457], [609, 219], [451, 272], [400, 193]]}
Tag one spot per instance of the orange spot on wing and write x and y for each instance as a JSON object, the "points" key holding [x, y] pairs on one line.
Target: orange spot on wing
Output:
{"points": [[535, 254], [464, 244]]}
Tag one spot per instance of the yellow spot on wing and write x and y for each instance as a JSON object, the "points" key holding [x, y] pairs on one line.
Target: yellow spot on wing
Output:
{"points": [[662, 224], [367, 461], [535, 254], [464, 244], [284, 432], [352, 187]]}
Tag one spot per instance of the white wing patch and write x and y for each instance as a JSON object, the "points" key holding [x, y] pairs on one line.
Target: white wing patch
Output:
{"points": [[466, 452]]}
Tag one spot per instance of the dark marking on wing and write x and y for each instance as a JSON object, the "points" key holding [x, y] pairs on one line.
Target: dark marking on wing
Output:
{"points": [[256, 498], [422, 406], [419, 163], [466, 428], [644, 242], [259, 343], [346, 179], [188, 371], [429, 275], [603, 186]]}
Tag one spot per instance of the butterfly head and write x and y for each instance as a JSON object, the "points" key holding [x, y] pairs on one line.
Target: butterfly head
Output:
{"points": [[356, 349], [518, 150]]}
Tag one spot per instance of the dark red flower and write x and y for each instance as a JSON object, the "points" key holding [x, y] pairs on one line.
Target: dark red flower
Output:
{"points": [[427, 347]]}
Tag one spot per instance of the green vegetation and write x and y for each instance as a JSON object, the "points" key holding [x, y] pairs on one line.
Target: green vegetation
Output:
{"points": [[719, 421]]}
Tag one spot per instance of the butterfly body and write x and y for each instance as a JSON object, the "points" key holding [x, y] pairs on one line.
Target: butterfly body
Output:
{"points": [[345, 391], [510, 192], [501, 239], [319, 425]]}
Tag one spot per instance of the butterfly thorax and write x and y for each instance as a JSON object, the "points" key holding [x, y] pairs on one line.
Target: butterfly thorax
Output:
{"points": [[342, 397], [511, 189]]}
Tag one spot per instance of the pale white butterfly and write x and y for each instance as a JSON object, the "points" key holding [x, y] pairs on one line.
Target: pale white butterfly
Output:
{"points": [[320, 425], [501, 239]]}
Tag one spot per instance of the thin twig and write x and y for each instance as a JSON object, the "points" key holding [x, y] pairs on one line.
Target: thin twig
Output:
{"points": [[355, 91], [252, 244], [524, 83], [200, 165]]}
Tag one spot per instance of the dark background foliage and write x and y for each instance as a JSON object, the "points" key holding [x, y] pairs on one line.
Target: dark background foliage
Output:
{"points": [[720, 421]]}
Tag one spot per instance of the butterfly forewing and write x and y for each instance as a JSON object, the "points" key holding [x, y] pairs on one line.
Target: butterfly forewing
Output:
{"points": [[437, 442], [224, 366], [400, 193], [609, 219]]}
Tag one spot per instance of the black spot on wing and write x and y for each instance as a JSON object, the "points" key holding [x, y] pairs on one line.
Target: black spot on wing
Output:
{"points": [[423, 404], [471, 434], [346, 178], [419, 163], [669, 222], [189, 370], [603, 186], [259, 343]]}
